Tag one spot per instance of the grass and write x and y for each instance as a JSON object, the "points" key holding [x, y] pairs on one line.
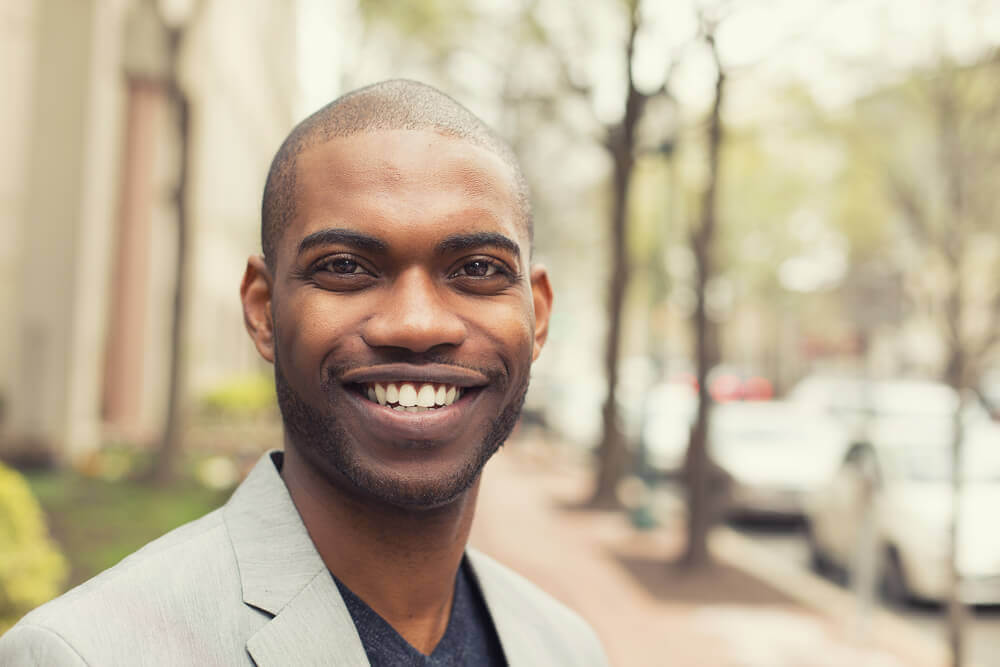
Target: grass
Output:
{"points": [[98, 522]]}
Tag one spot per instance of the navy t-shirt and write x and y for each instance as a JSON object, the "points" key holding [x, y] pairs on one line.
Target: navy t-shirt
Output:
{"points": [[469, 639]]}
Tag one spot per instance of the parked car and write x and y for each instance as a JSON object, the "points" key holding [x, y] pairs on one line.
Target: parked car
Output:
{"points": [[728, 382], [861, 405], [775, 453], [900, 484]]}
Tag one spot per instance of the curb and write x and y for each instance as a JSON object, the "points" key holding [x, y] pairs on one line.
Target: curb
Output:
{"points": [[816, 593]]}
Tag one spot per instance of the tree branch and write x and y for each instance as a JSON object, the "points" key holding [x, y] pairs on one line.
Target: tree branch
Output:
{"points": [[914, 212]]}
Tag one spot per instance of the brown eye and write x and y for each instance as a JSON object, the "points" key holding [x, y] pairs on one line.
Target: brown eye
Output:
{"points": [[479, 269], [343, 265]]}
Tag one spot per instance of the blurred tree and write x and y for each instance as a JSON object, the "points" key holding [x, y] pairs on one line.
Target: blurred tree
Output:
{"points": [[939, 137], [620, 140], [621, 143], [165, 455], [703, 478]]}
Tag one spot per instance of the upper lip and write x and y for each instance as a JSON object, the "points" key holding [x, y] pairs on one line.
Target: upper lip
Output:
{"points": [[430, 373]]}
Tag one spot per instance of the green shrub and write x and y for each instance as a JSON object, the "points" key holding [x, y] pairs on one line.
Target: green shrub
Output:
{"points": [[240, 397], [32, 569]]}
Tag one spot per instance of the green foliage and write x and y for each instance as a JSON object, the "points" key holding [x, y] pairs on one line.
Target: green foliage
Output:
{"points": [[98, 522], [32, 569], [240, 398]]}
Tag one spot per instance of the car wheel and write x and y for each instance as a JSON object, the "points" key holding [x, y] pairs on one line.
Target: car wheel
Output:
{"points": [[894, 586]]}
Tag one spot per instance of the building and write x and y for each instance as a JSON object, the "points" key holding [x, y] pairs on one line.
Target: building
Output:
{"points": [[88, 176]]}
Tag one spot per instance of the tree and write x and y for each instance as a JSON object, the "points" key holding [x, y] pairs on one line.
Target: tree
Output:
{"points": [[168, 448], [620, 141], [948, 203], [700, 474]]}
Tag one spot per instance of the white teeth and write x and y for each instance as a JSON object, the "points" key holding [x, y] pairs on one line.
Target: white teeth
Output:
{"points": [[407, 395], [425, 397], [412, 397]]}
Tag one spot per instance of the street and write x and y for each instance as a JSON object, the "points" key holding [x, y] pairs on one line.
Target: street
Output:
{"points": [[787, 542]]}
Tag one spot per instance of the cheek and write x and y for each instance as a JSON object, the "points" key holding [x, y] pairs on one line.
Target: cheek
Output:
{"points": [[511, 332], [310, 327]]}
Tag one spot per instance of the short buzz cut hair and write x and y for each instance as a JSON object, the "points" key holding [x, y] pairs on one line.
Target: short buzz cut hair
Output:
{"points": [[397, 104]]}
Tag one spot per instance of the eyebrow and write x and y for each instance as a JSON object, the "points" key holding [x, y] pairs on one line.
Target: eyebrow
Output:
{"points": [[346, 237], [458, 242], [453, 243]]}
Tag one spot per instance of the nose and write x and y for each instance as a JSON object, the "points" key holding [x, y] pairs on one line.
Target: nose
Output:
{"points": [[414, 315]]}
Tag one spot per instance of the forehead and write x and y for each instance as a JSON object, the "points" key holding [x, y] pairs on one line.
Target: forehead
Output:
{"points": [[414, 182]]}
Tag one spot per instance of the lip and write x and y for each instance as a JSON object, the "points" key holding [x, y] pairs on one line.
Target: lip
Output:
{"points": [[424, 373], [439, 424]]}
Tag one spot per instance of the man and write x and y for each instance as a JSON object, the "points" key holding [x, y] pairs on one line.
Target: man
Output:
{"points": [[396, 299]]}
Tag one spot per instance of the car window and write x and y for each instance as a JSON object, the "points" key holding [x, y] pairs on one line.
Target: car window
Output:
{"points": [[934, 464]]}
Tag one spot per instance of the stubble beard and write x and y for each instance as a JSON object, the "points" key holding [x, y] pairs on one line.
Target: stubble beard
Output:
{"points": [[326, 446]]}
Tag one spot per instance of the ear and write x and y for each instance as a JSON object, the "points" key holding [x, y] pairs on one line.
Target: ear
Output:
{"points": [[541, 292], [255, 292]]}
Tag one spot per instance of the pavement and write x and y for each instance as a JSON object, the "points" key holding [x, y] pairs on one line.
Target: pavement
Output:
{"points": [[747, 610]]}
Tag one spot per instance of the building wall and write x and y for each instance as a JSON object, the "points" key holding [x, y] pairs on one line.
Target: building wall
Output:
{"points": [[17, 46], [242, 72], [63, 129]]}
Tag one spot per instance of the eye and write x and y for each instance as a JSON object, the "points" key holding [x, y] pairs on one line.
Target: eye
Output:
{"points": [[342, 265], [479, 268]]}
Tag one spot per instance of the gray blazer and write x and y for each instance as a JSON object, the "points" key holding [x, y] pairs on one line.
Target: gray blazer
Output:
{"points": [[244, 585]]}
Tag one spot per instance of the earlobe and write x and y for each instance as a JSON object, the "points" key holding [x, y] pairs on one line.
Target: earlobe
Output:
{"points": [[255, 292], [541, 291]]}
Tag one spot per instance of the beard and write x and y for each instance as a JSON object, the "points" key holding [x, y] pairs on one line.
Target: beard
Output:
{"points": [[330, 450]]}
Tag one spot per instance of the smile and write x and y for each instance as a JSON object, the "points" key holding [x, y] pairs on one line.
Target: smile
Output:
{"points": [[411, 396]]}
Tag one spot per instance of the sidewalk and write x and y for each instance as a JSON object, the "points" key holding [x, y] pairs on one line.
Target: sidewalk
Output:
{"points": [[646, 611]]}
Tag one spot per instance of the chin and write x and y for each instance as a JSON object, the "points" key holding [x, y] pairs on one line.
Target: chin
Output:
{"points": [[429, 478], [424, 489]]}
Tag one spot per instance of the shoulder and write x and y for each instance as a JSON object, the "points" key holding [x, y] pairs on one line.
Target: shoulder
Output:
{"points": [[514, 600], [172, 587]]}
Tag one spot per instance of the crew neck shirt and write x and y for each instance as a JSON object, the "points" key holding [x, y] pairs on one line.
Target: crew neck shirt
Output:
{"points": [[469, 639]]}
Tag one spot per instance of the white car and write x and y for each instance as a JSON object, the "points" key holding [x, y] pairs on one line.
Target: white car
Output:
{"points": [[775, 453], [855, 401], [893, 499]]}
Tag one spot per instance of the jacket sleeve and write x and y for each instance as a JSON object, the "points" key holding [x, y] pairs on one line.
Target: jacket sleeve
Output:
{"points": [[37, 646]]}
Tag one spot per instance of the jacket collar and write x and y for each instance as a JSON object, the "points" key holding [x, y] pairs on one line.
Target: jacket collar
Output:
{"points": [[523, 641], [282, 574]]}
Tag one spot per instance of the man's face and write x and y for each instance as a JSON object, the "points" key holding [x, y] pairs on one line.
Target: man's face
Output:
{"points": [[405, 315]]}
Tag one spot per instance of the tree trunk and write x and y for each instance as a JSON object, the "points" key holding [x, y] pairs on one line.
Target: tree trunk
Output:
{"points": [[955, 376], [613, 450], [701, 476], [613, 453], [164, 464], [953, 248]]}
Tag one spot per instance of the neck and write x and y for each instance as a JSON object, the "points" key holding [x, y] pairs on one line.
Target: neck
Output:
{"points": [[401, 562]]}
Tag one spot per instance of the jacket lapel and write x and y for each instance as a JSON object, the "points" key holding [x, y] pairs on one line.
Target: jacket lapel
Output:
{"points": [[519, 638], [282, 574], [315, 628]]}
